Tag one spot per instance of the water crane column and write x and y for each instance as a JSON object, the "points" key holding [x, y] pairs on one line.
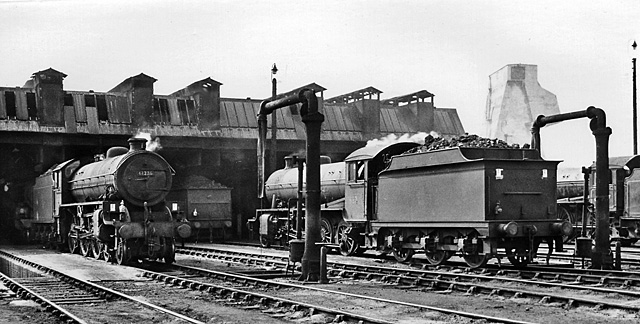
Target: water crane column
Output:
{"points": [[312, 119]]}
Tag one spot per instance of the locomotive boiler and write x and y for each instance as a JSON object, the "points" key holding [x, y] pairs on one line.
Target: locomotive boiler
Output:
{"points": [[113, 208], [478, 203]]}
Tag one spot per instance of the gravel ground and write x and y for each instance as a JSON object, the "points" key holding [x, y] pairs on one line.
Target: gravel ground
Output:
{"points": [[207, 309]]}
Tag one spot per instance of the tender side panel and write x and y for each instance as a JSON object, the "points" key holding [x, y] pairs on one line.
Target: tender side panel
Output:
{"points": [[451, 193]]}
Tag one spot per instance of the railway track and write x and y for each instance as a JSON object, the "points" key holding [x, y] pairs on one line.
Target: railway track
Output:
{"points": [[73, 300], [547, 285], [251, 298]]}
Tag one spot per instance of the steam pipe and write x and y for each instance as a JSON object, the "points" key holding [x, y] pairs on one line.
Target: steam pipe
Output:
{"points": [[601, 256]]}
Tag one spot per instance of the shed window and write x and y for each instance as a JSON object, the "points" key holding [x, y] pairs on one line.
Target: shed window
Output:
{"points": [[182, 108], [32, 112], [161, 111], [103, 114], [89, 100], [10, 100], [68, 99]]}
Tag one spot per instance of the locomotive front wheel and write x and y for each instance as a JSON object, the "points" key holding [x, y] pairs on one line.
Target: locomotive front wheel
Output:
{"points": [[402, 255], [123, 256], [475, 260], [519, 256], [85, 247], [265, 241], [73, 244], [170, 251]]}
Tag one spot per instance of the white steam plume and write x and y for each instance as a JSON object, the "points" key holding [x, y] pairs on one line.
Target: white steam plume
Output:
{"points": [[393, 138], [153, 145]]}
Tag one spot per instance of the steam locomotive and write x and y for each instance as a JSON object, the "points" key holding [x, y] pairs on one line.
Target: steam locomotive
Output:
{"points": [[475, 202], [110, 209], [624, 199]]}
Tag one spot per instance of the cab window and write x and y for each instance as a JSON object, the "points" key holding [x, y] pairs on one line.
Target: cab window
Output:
{"points": [[356, 171]]}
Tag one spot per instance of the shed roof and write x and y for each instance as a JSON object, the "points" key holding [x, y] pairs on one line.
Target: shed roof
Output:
{"points": [[415, 96], [355, 95]]}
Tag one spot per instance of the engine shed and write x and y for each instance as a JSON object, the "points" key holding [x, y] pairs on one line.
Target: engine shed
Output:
{"points": [[198, 131]]}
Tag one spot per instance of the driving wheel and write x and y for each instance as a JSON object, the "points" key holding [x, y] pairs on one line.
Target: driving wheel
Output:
{"points": [[348, 246], [85, 247], [73, 243]]}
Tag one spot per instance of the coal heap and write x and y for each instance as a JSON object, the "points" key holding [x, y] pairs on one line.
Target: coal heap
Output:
{"points": [[437, 143]]}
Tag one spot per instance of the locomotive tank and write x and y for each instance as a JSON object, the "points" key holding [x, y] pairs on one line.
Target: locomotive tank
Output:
{"points": [[136, 176], [283, 183]]}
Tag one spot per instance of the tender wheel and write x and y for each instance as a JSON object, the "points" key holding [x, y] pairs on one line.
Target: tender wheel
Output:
{"points": [[73, 244], [519, 257], [123, 255], [403, 255], [438, 257], [170, 251], [326, 230], [475, 260], [265, 241], [348, 246]]}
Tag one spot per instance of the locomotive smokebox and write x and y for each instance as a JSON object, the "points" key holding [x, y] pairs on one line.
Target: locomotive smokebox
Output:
{"points": [[137, 144]]}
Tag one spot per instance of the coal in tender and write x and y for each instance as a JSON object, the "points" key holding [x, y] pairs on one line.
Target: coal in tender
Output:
{"points": [[437, 143]]}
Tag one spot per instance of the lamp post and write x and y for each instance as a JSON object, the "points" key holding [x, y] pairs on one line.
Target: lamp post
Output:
{"points": [[635, 102], [274, 127]]}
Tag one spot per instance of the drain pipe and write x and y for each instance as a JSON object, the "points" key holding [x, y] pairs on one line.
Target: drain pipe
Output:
{"points": [[312, 119], [601, 257]]}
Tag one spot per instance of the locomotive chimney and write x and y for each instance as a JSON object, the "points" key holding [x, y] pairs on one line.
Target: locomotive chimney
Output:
{"points": [[137, 144]]}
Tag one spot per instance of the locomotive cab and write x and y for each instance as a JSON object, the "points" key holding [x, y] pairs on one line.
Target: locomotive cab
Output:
{"points": [[362, 168]]}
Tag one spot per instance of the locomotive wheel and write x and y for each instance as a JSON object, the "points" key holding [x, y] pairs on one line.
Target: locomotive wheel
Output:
{"points": [[519, 256], [438, 257], [85, 247], [123, 255], [265, 241], [475, 260], [326, 231], [348, 246], [402, 254], [170, 251], [73, 244], [103, 252], [564, 214], [95, 249]]}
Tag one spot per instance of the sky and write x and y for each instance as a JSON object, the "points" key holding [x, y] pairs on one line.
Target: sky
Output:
{"points": [[582, 50]]}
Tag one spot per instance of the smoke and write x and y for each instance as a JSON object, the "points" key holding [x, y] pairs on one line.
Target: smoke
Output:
{"points": [[153, 145], [393, 138]]}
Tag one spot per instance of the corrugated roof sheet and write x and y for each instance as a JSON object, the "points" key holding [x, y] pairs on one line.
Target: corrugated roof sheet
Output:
{"points": [[447, 121]]}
